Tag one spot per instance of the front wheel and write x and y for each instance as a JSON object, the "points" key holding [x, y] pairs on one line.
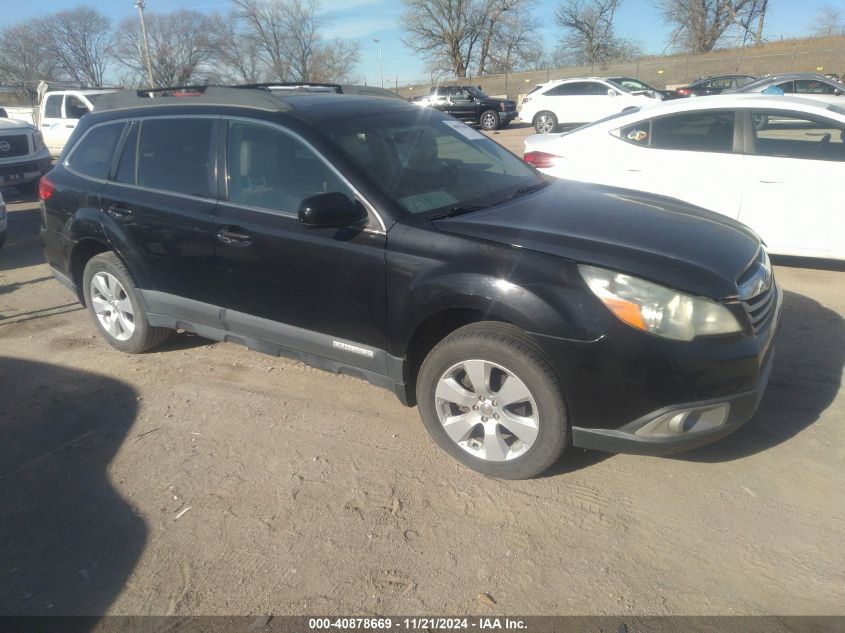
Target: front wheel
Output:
{"points": [[489, 120], [489, 398], [115, 306], [545, 123]]}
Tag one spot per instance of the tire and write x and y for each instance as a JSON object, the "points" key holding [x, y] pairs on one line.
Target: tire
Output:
{"points": [[489, 120], [527, 436], [545, 122], [111, 297]]}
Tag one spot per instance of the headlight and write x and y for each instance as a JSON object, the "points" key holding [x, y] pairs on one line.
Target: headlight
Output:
{"points": [[656, 309]]}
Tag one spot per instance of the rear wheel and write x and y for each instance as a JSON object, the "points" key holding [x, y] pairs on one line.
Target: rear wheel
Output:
{"points": [[488, 398], [115, 306], [545, 122], [489, 120]]}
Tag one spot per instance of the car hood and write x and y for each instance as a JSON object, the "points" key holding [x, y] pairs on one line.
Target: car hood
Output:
{"points": [[650, 236], [496, 102], [15, 124]]}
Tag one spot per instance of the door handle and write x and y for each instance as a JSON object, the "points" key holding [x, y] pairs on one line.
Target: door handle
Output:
{"points": [[233, 236], [69, 125], [119, 212], [772, 182]]}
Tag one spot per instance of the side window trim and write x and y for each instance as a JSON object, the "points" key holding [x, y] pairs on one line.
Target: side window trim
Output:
{"points": [[224, 193], [118, 151], [65, 164], [751, 138]]}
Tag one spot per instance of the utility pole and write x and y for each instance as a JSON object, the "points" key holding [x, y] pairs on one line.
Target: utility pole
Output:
{"points": [[380, 59], [140, 5]]}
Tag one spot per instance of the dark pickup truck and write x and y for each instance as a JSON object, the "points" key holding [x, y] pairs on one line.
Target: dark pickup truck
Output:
{"points": [[469, 103]]}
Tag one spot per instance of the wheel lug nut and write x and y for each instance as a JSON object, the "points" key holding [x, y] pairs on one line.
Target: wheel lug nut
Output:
{"points": [[495, 404], [496, 416], [483, 419], [481, 398], [475, 407]]}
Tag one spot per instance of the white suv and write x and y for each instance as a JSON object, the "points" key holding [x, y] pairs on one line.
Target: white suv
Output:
{"points": [[23, 157], [60, 111], [577, 101]]}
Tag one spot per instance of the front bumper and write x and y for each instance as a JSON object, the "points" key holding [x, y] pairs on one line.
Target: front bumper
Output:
{"points": [[507, 117], [617, 386]]}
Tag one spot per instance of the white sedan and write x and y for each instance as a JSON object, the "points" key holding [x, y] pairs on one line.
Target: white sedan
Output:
{"points": [[774, 163], [566, 101]]}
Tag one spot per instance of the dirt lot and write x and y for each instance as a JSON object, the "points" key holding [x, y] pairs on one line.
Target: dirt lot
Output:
{"points": [[207, 479]]}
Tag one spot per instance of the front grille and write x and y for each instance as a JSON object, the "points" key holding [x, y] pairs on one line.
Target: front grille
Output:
{"points": [[759, 308], [14, 145], [757, 290]]}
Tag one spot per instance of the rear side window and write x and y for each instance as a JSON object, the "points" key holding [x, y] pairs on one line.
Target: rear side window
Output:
{"points": [[177, 155], [53, 107], [571, 89], [711, 131], [93, 154]]}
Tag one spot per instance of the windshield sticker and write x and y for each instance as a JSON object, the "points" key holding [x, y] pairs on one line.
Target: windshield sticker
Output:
{"points": [[423, 202], [464, 130]]}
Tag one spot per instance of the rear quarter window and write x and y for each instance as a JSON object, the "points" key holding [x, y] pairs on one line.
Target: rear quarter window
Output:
{"points": [[92, 156]]}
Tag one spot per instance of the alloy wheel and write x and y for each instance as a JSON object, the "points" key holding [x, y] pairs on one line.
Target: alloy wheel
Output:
{"points": [[545, 124], [488, 121], [487, 410], [112, 306]]}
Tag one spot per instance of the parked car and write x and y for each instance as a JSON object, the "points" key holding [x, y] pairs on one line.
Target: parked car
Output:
{"points": [[578, 101], [61, 110], [767, 161], [635, 85], [23, 157], [710, 86], [372, 237], [805, 85], [3, 221], [471, 104]]}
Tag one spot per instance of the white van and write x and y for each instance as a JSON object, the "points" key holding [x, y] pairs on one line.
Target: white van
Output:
{"points": [[60, 111]]}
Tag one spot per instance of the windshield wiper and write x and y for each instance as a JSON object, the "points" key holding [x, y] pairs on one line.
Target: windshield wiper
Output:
{"points": [[458, 210], [519, 191]]}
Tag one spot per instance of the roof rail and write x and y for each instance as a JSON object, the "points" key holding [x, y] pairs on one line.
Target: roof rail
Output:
{"points": [[209, 95], [293, 85]]}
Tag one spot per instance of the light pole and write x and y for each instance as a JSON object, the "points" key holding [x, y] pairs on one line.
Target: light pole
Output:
{"points": [[140, 5], [380, 60]]}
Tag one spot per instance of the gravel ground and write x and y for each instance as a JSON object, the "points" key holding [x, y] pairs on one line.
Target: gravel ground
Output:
{"points": [[203, 478]]}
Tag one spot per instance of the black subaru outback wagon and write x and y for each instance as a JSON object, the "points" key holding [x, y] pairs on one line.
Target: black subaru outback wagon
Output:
{"points": [[391, 242]]}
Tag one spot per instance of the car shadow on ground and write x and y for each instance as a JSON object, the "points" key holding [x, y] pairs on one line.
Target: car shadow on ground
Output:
{"points": [[23, 243], [68, 540], [805, 380]]}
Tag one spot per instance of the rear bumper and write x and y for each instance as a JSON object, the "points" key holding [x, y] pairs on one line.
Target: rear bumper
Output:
{"points": [[23, 171]]}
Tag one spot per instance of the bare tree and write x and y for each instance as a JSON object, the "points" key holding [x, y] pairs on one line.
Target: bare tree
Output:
{"points": [[236, 55], [698, 25], [179, 46], [23, 60], [288, 37], [444, 32], [590, 37], [828, 21], [515, 44], [79, 40]]}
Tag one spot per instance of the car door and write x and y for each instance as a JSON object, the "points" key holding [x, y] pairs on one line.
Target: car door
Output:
{"points": [[461, 104], [793, 168], [157, 208], [74, 109], [318, 290], [692, 156], [51, 123]]}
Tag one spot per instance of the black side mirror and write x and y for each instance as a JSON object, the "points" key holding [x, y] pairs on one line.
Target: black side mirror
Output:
{"points": [[331, 211]]}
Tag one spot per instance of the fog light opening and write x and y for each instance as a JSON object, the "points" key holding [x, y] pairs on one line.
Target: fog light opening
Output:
{"points": [[681, 422]]}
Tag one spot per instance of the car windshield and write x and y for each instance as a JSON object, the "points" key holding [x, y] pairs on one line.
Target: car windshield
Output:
{"points": [[430, 164], [628, 83]]}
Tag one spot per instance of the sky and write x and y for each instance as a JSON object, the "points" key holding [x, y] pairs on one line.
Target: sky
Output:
{"points": [[368, 20]]}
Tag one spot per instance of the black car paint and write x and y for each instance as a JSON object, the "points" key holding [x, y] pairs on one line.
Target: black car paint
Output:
{"points": [[357, 300]]}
